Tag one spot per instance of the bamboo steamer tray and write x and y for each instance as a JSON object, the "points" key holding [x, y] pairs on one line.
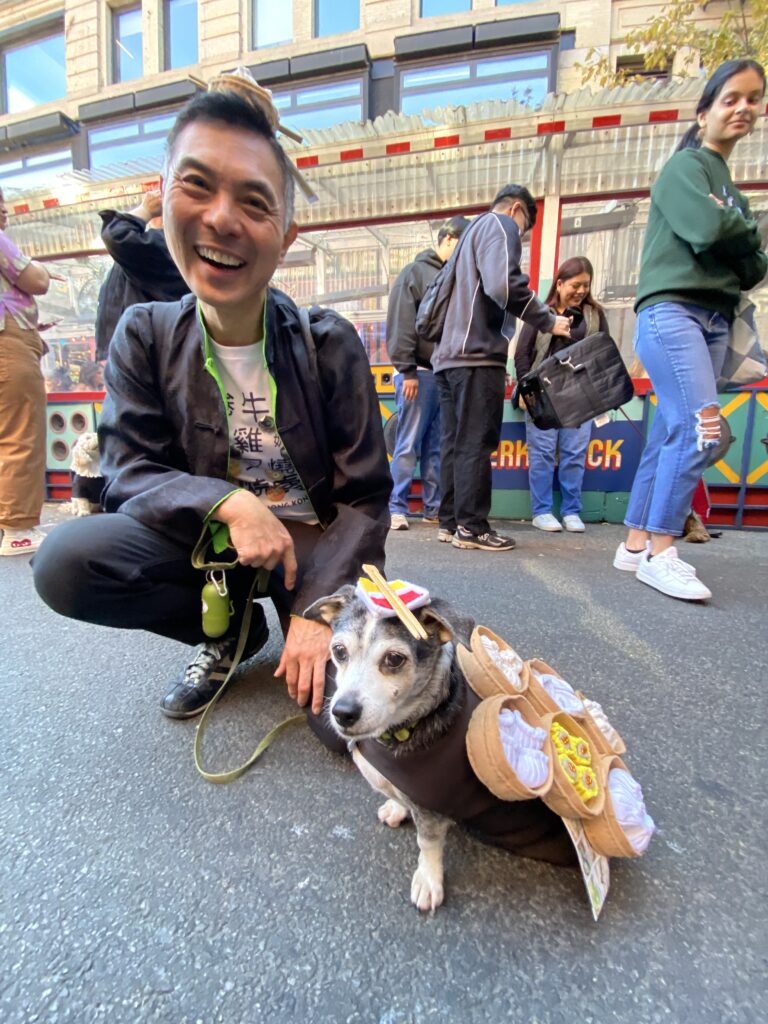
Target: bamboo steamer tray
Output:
{"points": [[484, 676], [536, 693], [604, 833], [562, 797], [486, 753], [597, 739], [618, 746]]}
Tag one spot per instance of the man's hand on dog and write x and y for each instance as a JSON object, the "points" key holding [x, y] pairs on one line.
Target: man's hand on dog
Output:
{"points": [[258, 537], [305, 655]]}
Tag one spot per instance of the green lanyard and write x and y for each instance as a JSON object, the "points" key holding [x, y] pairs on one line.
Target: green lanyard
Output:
{"points": [[259, 586]]}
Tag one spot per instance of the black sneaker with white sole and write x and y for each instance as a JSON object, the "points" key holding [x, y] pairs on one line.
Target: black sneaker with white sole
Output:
{"points": [[201, 680], [482, 542]]}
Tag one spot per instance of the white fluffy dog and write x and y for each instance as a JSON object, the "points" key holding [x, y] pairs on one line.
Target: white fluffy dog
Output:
{"points": [[87, 481]]}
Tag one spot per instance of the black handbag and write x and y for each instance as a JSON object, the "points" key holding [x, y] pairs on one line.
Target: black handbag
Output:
{"points": [[577, 383]]}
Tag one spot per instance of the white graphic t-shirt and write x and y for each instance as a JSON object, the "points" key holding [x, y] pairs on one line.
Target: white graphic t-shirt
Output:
{"points": [[257, 460]]}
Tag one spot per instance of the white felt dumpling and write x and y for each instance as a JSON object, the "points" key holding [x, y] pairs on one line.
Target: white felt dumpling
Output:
{"points": [[523, 748], [629, 808], [561, 692], [505, 659]]}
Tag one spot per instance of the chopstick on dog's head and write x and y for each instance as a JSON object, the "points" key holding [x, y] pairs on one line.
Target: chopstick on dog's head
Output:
{"points": [[400, 609]]}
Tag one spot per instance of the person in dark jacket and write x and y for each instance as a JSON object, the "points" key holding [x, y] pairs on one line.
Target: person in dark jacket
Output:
{"points": [[470, 362], [418, 407], [222, 423], [570, 295], [143, 270]]}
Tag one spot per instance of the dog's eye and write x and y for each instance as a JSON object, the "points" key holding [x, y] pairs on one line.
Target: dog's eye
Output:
{"points": [[339, 652], [392, 660]]}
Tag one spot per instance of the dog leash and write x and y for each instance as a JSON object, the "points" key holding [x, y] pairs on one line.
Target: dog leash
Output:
{"points": [[259, 586]]}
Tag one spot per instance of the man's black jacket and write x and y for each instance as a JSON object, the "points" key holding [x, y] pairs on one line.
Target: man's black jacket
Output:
{"points": [[165, 440]]}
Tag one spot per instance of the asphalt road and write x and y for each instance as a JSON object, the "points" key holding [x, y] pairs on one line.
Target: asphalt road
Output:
{"points": [[133, 891]]}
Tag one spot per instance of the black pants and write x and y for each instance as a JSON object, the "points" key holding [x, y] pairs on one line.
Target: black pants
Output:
{"points": [[113, 571], [471, 412]]}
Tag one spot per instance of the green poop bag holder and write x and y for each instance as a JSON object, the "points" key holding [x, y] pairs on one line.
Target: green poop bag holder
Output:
{"points": [[217, 613]]}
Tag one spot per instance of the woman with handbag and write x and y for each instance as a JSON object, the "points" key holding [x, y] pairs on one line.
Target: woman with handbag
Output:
{"points": [[702, 249], [570, 295], [22, 398]]}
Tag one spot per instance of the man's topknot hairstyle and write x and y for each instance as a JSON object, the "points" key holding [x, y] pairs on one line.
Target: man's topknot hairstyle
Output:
{"points": [[511, 194], [232, 109]]}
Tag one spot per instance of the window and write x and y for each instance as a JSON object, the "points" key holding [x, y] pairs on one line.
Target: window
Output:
{"points": [[525, 77], [321, 106], [634, 67], [31, 172], [127, 55], [272, 23], [431, 8], [180, 33], [34, 73], [335, 16], [142, 141]]}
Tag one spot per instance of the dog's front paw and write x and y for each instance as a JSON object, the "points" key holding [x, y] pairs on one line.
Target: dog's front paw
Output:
{"points": [[426, 891], [393, 813]]}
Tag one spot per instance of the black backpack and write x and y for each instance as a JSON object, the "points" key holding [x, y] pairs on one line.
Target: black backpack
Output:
{"points": [[430, 319]]}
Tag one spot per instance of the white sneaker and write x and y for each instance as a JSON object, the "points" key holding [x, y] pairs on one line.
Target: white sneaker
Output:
{"points": [[399, 522], [21, 542], [547, 522], [629, 561], [672, 576], [573, 524]]}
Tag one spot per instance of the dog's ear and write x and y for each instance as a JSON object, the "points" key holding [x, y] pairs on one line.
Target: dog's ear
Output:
{"points": [[328, 609], [435, 624]]}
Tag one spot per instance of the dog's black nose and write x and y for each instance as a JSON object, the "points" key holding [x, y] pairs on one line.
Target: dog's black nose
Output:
{"points": [[346, 711]]}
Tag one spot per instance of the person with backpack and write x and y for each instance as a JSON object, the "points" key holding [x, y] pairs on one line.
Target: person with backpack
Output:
{"points": [[702, 249], [479, 292], [225, 425], [570, 295], [417, 404]]}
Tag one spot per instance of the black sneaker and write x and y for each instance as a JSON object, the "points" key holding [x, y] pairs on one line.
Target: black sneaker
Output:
{"points": [[202, 679], [483, 542]]}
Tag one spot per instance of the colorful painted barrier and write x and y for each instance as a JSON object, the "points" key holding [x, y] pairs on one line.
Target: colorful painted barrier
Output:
{"points": [[737, 484]]}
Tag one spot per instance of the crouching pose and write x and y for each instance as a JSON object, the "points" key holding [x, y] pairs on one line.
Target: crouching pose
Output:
{"points": [[224, 419]]}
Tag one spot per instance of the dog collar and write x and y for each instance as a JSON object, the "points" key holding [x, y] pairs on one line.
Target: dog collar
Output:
{"points": [[399, 735]]}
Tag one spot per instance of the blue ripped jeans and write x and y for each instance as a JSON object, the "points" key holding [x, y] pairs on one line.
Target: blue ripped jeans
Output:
{"points": [[682, 347]]}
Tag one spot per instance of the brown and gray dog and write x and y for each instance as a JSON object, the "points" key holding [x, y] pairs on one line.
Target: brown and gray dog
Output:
{"points": [[403, 693]]}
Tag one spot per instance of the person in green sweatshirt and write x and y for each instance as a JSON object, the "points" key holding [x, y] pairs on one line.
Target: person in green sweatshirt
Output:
{"points": [[702, 249]]}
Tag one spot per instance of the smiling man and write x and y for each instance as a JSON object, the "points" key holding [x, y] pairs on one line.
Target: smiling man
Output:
{"points": [[221, 419]]}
